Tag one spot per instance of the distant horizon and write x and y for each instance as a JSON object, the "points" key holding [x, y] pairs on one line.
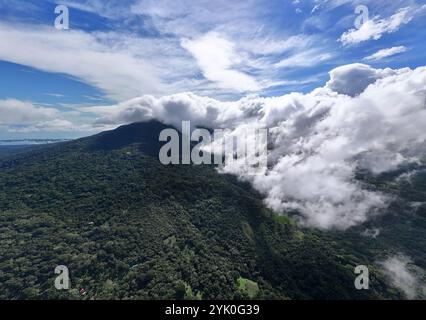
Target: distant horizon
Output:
{"points": [[29, 141]]}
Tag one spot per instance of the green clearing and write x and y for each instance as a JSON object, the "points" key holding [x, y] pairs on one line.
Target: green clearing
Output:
{"points": [[248, 287]]}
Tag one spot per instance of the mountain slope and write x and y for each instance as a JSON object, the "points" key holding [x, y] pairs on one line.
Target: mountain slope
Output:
{"points": [[128, 227]]}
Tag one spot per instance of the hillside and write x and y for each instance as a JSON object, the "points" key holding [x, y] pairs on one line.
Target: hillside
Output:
{"points": [[128, 227]]}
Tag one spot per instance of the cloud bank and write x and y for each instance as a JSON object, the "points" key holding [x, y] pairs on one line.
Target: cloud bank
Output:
{"points": [[363, 118]]}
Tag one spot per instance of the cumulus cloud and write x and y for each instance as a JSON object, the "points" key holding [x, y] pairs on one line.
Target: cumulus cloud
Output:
{"points": [[385, 53], [404, 275], [373, 29], [363, 118], [355, 78]]}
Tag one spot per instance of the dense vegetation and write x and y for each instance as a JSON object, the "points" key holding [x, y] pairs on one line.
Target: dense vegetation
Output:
{"points": [[7, 151], [128, 227]]}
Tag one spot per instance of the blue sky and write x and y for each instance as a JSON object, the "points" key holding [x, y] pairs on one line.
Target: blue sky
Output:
{"points": [[116, 50]]}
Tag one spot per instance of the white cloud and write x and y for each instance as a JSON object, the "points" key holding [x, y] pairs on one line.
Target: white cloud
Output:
{"points": [[217, 58], [318, 140], [307, 58], [120, 65], [112, 9], [239, 31], [171, 109], [236, 47], [266, 45], [19, 112], [188, 18], [403, 275], [385, 53], [353, 79], [124, 66], [374, 28], [21, 116]]}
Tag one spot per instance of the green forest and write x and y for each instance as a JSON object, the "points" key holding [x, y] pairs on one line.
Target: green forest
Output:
{"points": [[128, 227]]}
